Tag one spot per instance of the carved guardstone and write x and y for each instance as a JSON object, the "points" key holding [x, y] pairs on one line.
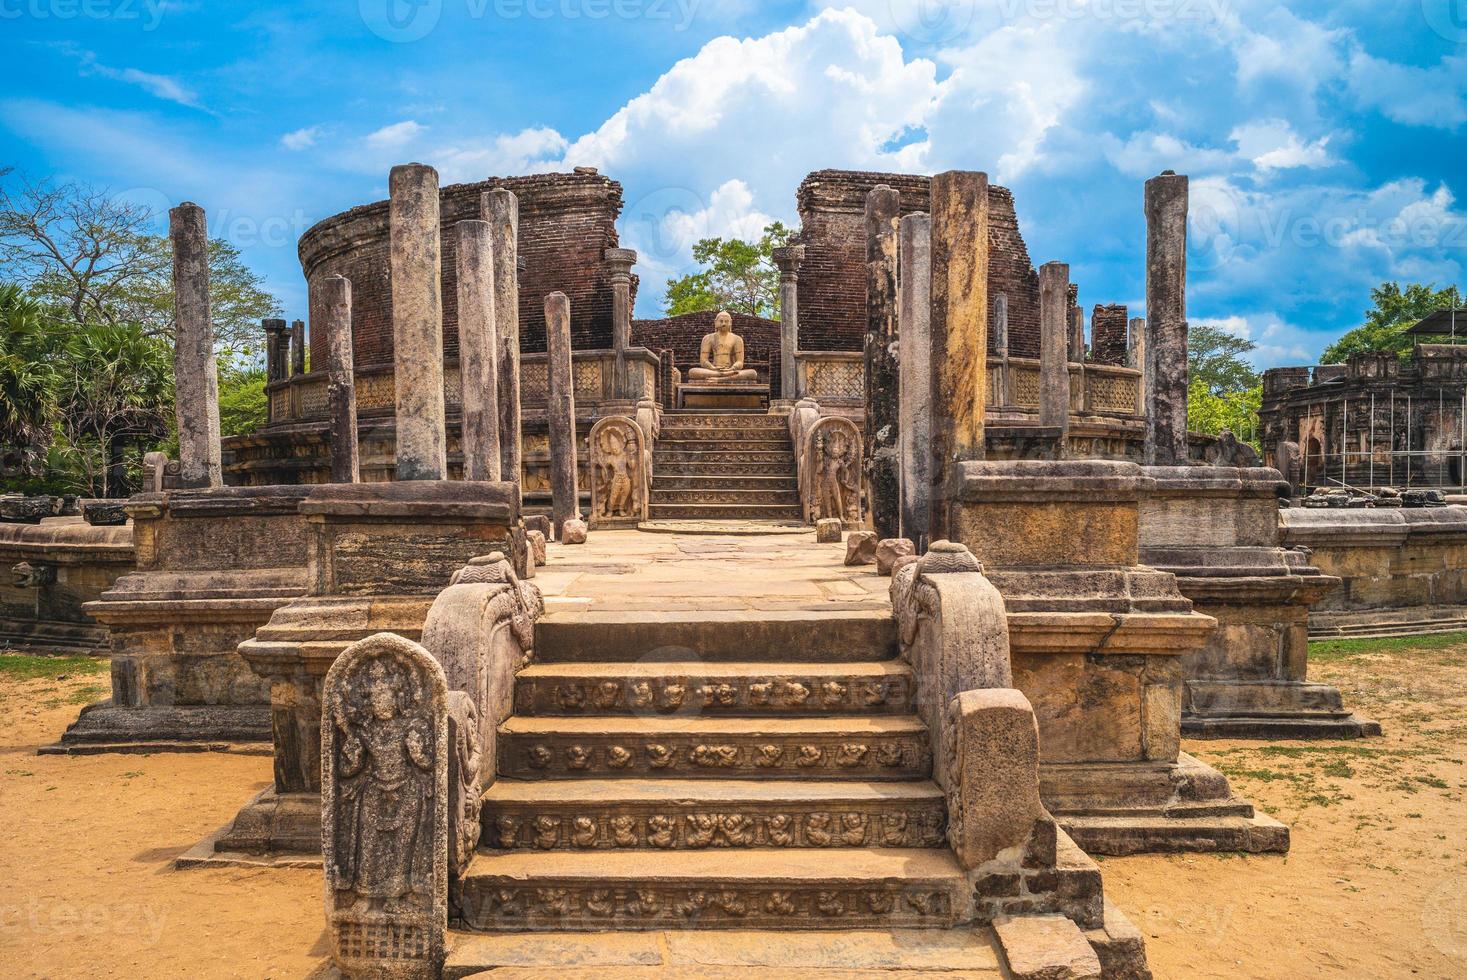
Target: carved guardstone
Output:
{"points": [[830, 472], [618, 473], [384, 808]]}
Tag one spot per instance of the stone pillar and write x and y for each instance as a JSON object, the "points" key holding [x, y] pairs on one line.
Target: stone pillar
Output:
{"points": [[561, 410], [1136, 358], [196, 376], [619, 262], [914, 311], [417, 323], [276, 350], [478, 351], [959, 329], [1001, 324], [1054, 372], [500, 208], [1077, 334], [1166, 320], [331, 313], [882, 410], [788, 260], [297, 347]]}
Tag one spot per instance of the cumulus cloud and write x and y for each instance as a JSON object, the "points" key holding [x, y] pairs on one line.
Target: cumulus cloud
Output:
{"points": [[396, 135], [1435, 96], [1272, 144], [301, 139]]}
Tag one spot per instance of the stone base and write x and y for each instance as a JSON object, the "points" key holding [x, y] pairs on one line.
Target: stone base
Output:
{"points": [[271, 825], [1269, 709], [1366, 624], [52, 636], [1151, 808], [104, 727], [723, 396]]}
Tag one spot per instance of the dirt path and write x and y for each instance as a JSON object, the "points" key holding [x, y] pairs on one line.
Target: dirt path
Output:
{"points": [[1374, 886]]}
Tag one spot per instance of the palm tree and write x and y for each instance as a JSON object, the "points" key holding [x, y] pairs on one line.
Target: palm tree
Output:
{"points": [[28, 381]]}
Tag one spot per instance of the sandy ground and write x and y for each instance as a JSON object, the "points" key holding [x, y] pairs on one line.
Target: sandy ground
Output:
{"points": [[1374, 886]]}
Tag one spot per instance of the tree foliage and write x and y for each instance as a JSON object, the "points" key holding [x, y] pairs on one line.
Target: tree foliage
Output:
{"points": [[28, 380], [1215, 357], [1212, 411], [1395, 308], [737, 276], [92, 254]]}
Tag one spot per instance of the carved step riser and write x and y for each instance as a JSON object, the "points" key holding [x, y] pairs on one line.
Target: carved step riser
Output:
{"points": [[720, 458], [723, 471], [721, 445], [686, 826], [767, 484], [717, 437], [696, 512], [491, 904], [809, 757], [727, 696], [783, 498]]}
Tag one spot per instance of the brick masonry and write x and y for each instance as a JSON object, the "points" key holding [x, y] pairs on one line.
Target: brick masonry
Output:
{"points": [[833, 278], [1108, 334], [566, 222]]}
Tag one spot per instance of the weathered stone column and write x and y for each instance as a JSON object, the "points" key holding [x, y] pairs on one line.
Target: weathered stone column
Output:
{"points": [[1166, 320], [1054, 371], [1077, 334], [417, 323], [959, 329], [788, 260], [276, 350], [561, 410], [478, 351], [1136, 358], [914, 312], [882, 410], [619, 262], [196, 376], [297, 347], [331, 313], [501, 209]]}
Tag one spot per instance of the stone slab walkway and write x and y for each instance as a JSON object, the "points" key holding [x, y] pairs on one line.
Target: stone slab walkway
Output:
{"points": [[627, 571]]}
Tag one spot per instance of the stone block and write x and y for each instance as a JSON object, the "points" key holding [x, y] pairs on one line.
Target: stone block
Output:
{"points": [[994, 785], [888, 550], [538, 522], [861, 548], [828, 530], [105, 513], [536, 539], [573, 531], [1046, 947], [901, 562]]}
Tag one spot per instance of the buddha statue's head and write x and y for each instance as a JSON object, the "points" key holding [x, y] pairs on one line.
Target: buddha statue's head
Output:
{"points": [[723, 323]]}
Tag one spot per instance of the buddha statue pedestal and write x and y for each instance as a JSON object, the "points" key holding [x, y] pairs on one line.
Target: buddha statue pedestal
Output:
{"points": [[743, 395]]}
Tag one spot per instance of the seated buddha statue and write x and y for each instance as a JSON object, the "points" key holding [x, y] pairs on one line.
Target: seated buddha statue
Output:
{"points": [[721, 357]]}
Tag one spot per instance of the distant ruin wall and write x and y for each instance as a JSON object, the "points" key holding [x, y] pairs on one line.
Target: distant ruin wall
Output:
{"points": [[833, 277], [566, 222], [1108, 330]]}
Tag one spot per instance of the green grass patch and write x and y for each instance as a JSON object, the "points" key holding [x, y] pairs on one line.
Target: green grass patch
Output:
{"points": [[1325, 651], [25, 667]]}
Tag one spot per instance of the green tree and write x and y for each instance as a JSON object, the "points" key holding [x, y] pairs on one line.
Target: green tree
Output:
{"points": [[1215, 357], [737, 276], [28, 380], [1211, 412], [1385, 323], [92, 254], [243, 406]]}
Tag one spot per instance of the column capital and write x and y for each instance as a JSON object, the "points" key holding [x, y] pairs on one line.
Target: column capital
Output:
{"points": [[788, 259], [273, 325], [620, 261]]}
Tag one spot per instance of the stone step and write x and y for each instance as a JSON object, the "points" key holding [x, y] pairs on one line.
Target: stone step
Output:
{"points": [[963, 953], [735, 635], [764, 482], [677, 814], [843, 747], [676, 433], [662, 457], [719, 469], [725, 512], [764, 689], [736, 498], [744, 419], [739, 445], [865, 888]]}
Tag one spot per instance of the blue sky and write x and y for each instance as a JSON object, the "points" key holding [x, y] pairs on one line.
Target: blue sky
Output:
{"points": [[1325, 141]]}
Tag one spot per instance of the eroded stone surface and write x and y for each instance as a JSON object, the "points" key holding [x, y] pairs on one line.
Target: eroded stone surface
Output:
{"points": [[573, 531], [828, 530], [861, 548], [888, 550]]}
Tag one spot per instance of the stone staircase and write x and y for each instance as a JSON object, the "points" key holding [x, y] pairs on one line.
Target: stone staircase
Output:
{"points": [[724, 466], [677, 770]]}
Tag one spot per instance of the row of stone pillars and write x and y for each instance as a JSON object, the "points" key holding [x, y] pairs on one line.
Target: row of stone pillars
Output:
{"points": [[926, 344]]}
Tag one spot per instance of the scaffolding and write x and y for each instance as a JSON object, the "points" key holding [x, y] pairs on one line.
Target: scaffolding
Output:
{"points": [[1442, 466]]}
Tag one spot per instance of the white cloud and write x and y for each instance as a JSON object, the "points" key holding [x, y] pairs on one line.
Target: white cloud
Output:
{"points": [[534, 150], [301, 139], [1272, 144], [396, 135], [164, 87], [1435, 96]]}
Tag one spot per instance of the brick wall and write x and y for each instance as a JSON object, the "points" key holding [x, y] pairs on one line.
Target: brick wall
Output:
{"points": [[566, 222], [833, 278], [683, 336], [1108, 333]]}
